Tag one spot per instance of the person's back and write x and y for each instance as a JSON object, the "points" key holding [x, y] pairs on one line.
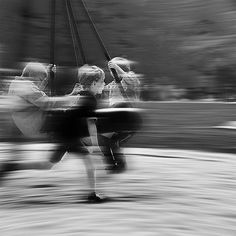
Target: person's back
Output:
{"points": [[29, 100], [30, 103], [128, 79], [27, 116]]}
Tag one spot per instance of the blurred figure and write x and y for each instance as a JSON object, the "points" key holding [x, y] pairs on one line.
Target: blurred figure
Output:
{"points": [[128, 79], [77, 124], [29, 100], [123, 121], [70, 123]]}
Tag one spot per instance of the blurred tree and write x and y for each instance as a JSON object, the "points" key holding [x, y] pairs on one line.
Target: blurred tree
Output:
{"points": [[169, 38], [226, 81]]}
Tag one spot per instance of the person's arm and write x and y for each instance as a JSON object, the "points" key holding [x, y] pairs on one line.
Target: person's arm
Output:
{"points": [[37, 97], [131, 82], [34, 95], [114, 66], [128, 78]]}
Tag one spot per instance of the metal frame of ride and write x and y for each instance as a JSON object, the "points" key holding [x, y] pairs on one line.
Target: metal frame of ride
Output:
{"points": [[77, 42]]}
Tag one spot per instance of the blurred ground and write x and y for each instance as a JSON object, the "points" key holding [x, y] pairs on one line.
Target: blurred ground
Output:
{"points": [[165, 192], [168, 190]]}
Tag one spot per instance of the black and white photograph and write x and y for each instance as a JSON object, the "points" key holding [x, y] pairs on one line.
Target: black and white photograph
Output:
{"points": [[118, 117]]}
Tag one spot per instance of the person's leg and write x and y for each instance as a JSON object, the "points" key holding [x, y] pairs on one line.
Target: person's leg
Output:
{"points": [[123, 129], [13, 165], [117, 140], [107, 125], [114, 159], [58, 154], [91, 172], [125, 132], [80, 148], [105, 145]]}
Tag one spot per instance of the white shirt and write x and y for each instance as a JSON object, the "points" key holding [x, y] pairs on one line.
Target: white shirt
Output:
{"points": [[129, 82], [29, 104]]}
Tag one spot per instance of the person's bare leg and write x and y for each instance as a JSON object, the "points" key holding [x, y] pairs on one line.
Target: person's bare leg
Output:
{"points": [[91, 172], [11, 166], [93, 197]]}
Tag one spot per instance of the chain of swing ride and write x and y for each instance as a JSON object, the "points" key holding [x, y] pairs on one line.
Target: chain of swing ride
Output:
{"points": [[76, 40]]}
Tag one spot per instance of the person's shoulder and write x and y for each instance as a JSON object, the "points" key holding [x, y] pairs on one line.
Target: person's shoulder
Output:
{"points": [[128, 75], [131, 74], [18, 84], [23, 82], [130, 78]]}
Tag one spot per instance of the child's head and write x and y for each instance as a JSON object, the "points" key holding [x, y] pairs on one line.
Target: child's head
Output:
{"points": [[36, 72], [34, 69], [91, 78], [123, 63]]}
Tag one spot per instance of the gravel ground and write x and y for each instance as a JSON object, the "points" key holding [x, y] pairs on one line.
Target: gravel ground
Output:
{"points": [[164, 192]]}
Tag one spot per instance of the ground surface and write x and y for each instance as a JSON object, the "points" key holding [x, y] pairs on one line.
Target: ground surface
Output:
{"points": [[165, 192]]}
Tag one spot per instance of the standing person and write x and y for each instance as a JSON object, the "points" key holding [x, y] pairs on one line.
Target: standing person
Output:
{"points": [[73, 121], [122, 124]]}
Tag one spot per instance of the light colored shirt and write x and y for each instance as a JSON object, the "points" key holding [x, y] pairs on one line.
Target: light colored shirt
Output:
{"points": [[131, 85], [29, 104]]}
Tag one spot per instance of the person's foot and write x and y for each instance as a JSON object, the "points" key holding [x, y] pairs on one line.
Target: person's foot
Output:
{"points": [[119, 166], [116, 169], [120, 169], [114, 160], [94, 198]]}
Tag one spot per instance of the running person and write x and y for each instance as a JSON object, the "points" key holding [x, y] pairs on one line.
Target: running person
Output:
{"points": [[73, 122]]}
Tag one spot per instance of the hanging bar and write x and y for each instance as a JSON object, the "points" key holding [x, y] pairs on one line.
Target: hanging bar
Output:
{"points": [[76, 32], [75, 46], [52, 43], [117, 79]]}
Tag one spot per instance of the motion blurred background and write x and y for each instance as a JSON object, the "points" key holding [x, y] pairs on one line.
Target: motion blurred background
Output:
{"points": [[185, 52]]}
